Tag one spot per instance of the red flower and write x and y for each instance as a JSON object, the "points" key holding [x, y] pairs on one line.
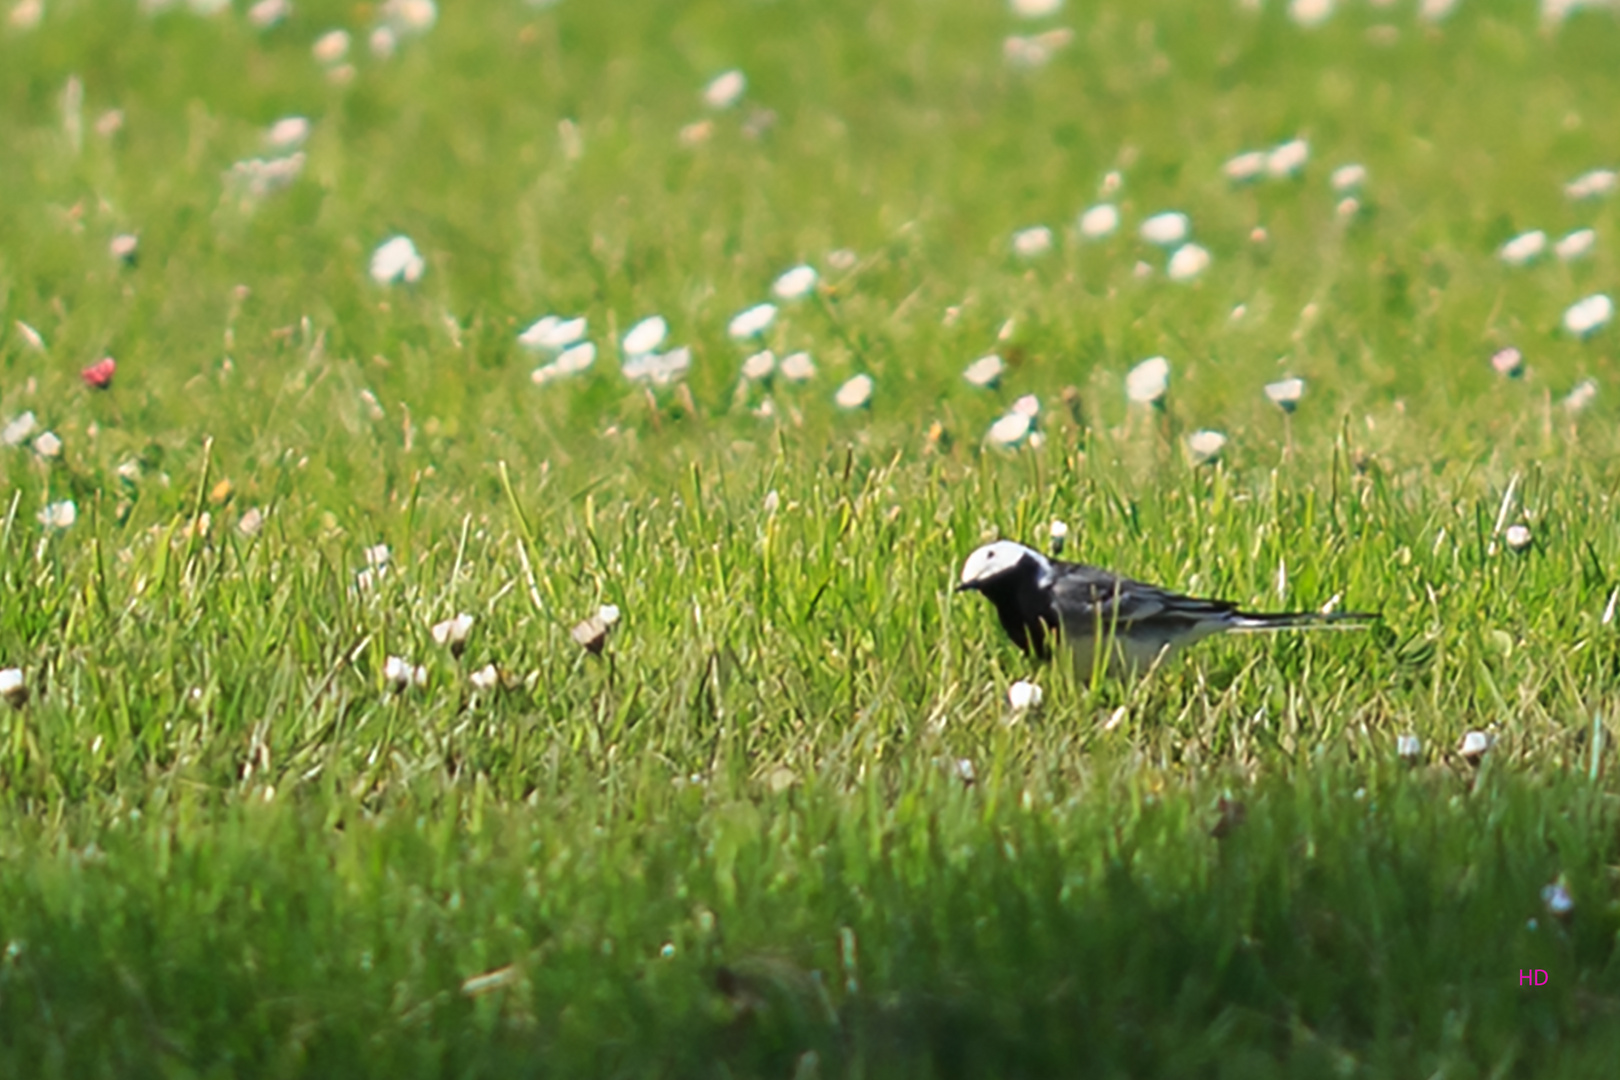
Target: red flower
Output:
{"points": [[99, 375]]}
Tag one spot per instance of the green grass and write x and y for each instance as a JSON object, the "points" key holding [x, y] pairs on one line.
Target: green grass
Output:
{"points": [[739, 842]]}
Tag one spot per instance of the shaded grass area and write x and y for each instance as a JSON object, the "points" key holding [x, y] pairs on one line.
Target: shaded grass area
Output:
{"points": [[1355, 922]]}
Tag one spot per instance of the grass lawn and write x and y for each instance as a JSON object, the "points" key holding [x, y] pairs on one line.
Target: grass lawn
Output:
{"points": [[265, 813]]}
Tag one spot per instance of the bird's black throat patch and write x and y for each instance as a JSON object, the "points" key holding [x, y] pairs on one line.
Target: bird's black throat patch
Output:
{"points": [[1024, 607]]}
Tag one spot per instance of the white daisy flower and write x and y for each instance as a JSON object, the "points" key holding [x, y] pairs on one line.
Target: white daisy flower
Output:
{"points": [[288, 133], [1188, 262], [396, 260], [20, 429], [751, 322], [485, 678], [406, 17], [759, 366], [13, 687], [1287, 159], [331, 47], [1347, 179], [124, 247], [267, 13], [1009, 430], [59, 515], [1576, 245], [1100, 221], [1205, 446], [798, 367], [1247, 166], [1168, 229], [400, 674], [1029, 405], [1583, 395], [1518, 537], [795, 283], [1508, 362], [1034, 9], [985, 371], [725, 90], [1285, 393], [571, 361], [1023, 695], [1523, 248], [48, 445], [453, 632], [854, 394], [1474, 745], [1310, 13], [660, 369], [1408, 746], [553, 334], [1148, 382], [1592, 184], [1588, 316], [645, 336], [1032, 242]]}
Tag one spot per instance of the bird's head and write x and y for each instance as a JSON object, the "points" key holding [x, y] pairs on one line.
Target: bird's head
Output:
{"points": [[999, 561]]}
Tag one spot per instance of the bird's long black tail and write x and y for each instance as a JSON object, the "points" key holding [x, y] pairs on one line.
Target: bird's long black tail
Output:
{"points": [[1304, 620]]}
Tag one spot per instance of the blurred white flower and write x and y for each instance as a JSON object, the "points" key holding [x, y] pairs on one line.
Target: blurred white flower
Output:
{"points": [[123, 247], [19, 429], [1558, 900], [1508, 362], [1168, 229], [795, 283], [759, 366], [660, 369], [1518, 537], [608, 614], [396, 260], [1523, 248], [571, 361], [854, 394], [1474, 745], [453, 632], [1058, 532], [751, 322], [1590, 185], [1576, 244], [985, 371], [485, 678], [1583, 395], [725, 90], [1034, 9], [1010, 430], [331, 47], [1100, 221], [1285, 393], [553, 333], [1032, 242], [406, 17], [383, 42], [1287, 159], [1408, 746], [1246, 166], [1112, 181], [13, 687], [1029, 405], [48, 445], [1188, 262], [59, 515], [842, 259], [1023, 695], [1588, 316], [256, 178], [1309, 13], [645, 336], [288, 133], [797, 367], [1149, 381], [400, 674], [1205, 446], [26, 14], [267, 13], [1435, 10], [1347, 179], [251, 522]]}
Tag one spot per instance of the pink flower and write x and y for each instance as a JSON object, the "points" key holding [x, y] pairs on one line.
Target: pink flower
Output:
{"points": [[99, 375]]}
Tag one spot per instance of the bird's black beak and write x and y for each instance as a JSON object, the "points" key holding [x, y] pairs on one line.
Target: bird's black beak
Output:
{"points": [[966, 586]]}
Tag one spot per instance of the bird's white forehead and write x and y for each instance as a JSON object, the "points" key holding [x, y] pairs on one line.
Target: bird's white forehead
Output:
{"points": [[999, 557]]}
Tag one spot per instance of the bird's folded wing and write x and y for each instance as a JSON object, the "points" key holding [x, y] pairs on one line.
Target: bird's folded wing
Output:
{"points": [[1089, 598]]}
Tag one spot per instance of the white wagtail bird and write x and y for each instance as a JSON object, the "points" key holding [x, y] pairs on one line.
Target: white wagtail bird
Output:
{"points": [[1039, 598]]}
